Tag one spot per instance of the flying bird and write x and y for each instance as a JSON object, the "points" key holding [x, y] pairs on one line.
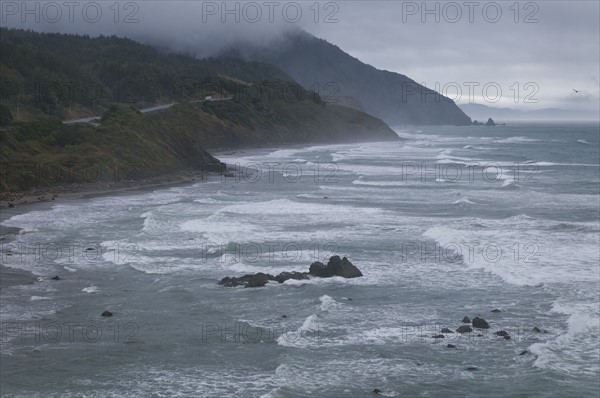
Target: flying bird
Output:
{"points": [[576, 91]]}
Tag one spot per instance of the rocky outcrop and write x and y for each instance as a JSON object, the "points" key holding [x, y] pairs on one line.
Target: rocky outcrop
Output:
{"points": [[464, 329], [284, 276], [490, 122], [249, 280], [319, 269], [480, 323], [335, 267]]}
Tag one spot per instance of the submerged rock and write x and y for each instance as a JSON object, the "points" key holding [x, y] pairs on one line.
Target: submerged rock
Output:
{"points": [[502, 333], [451, 346], [466, 319], [107, 313], [496, 310], [438, 336], [480, 323], [446, 330], [56, 278]]}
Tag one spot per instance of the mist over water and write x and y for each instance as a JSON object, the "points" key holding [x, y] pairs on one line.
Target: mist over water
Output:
{"points": [[452, 221]]}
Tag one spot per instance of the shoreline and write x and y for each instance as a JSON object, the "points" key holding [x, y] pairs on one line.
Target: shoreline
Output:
{"points": [[10, 276], [108, 187], [45, 198], [56, 193]]}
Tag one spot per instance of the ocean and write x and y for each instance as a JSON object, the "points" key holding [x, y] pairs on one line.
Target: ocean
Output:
{"points": [[448, 222]]}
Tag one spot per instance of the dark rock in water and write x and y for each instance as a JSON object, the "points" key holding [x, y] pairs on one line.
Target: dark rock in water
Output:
{"points": [[480, 323], [490, 122], [446, 330], [56, 278], [438, 336], [229, 282], [250, 280], [11, 205], [376, 391], [107, 313], [496, 310], [464, 329], [536, 329], [507, 337], [284, 316], [335, 267], [343, 267], [259, 280], [502, 333], [319, 269], [284, 276], [348, 298], [325, 197], [524, 352], [466, 319], [90, 249], [472, 369], [451, 346], [479, 335]]}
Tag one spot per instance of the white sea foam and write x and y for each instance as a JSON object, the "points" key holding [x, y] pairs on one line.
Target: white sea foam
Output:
{"points": [[511, 140], [378, 183], [298, 337], [464, 201], [572, 352], [328, 303], [36, 298]]}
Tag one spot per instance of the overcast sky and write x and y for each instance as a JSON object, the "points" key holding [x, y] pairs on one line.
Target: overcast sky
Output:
{"points": [[535, 53]]}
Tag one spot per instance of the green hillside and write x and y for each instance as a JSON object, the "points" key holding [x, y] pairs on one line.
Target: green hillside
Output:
{"points": [[267, 112]]}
